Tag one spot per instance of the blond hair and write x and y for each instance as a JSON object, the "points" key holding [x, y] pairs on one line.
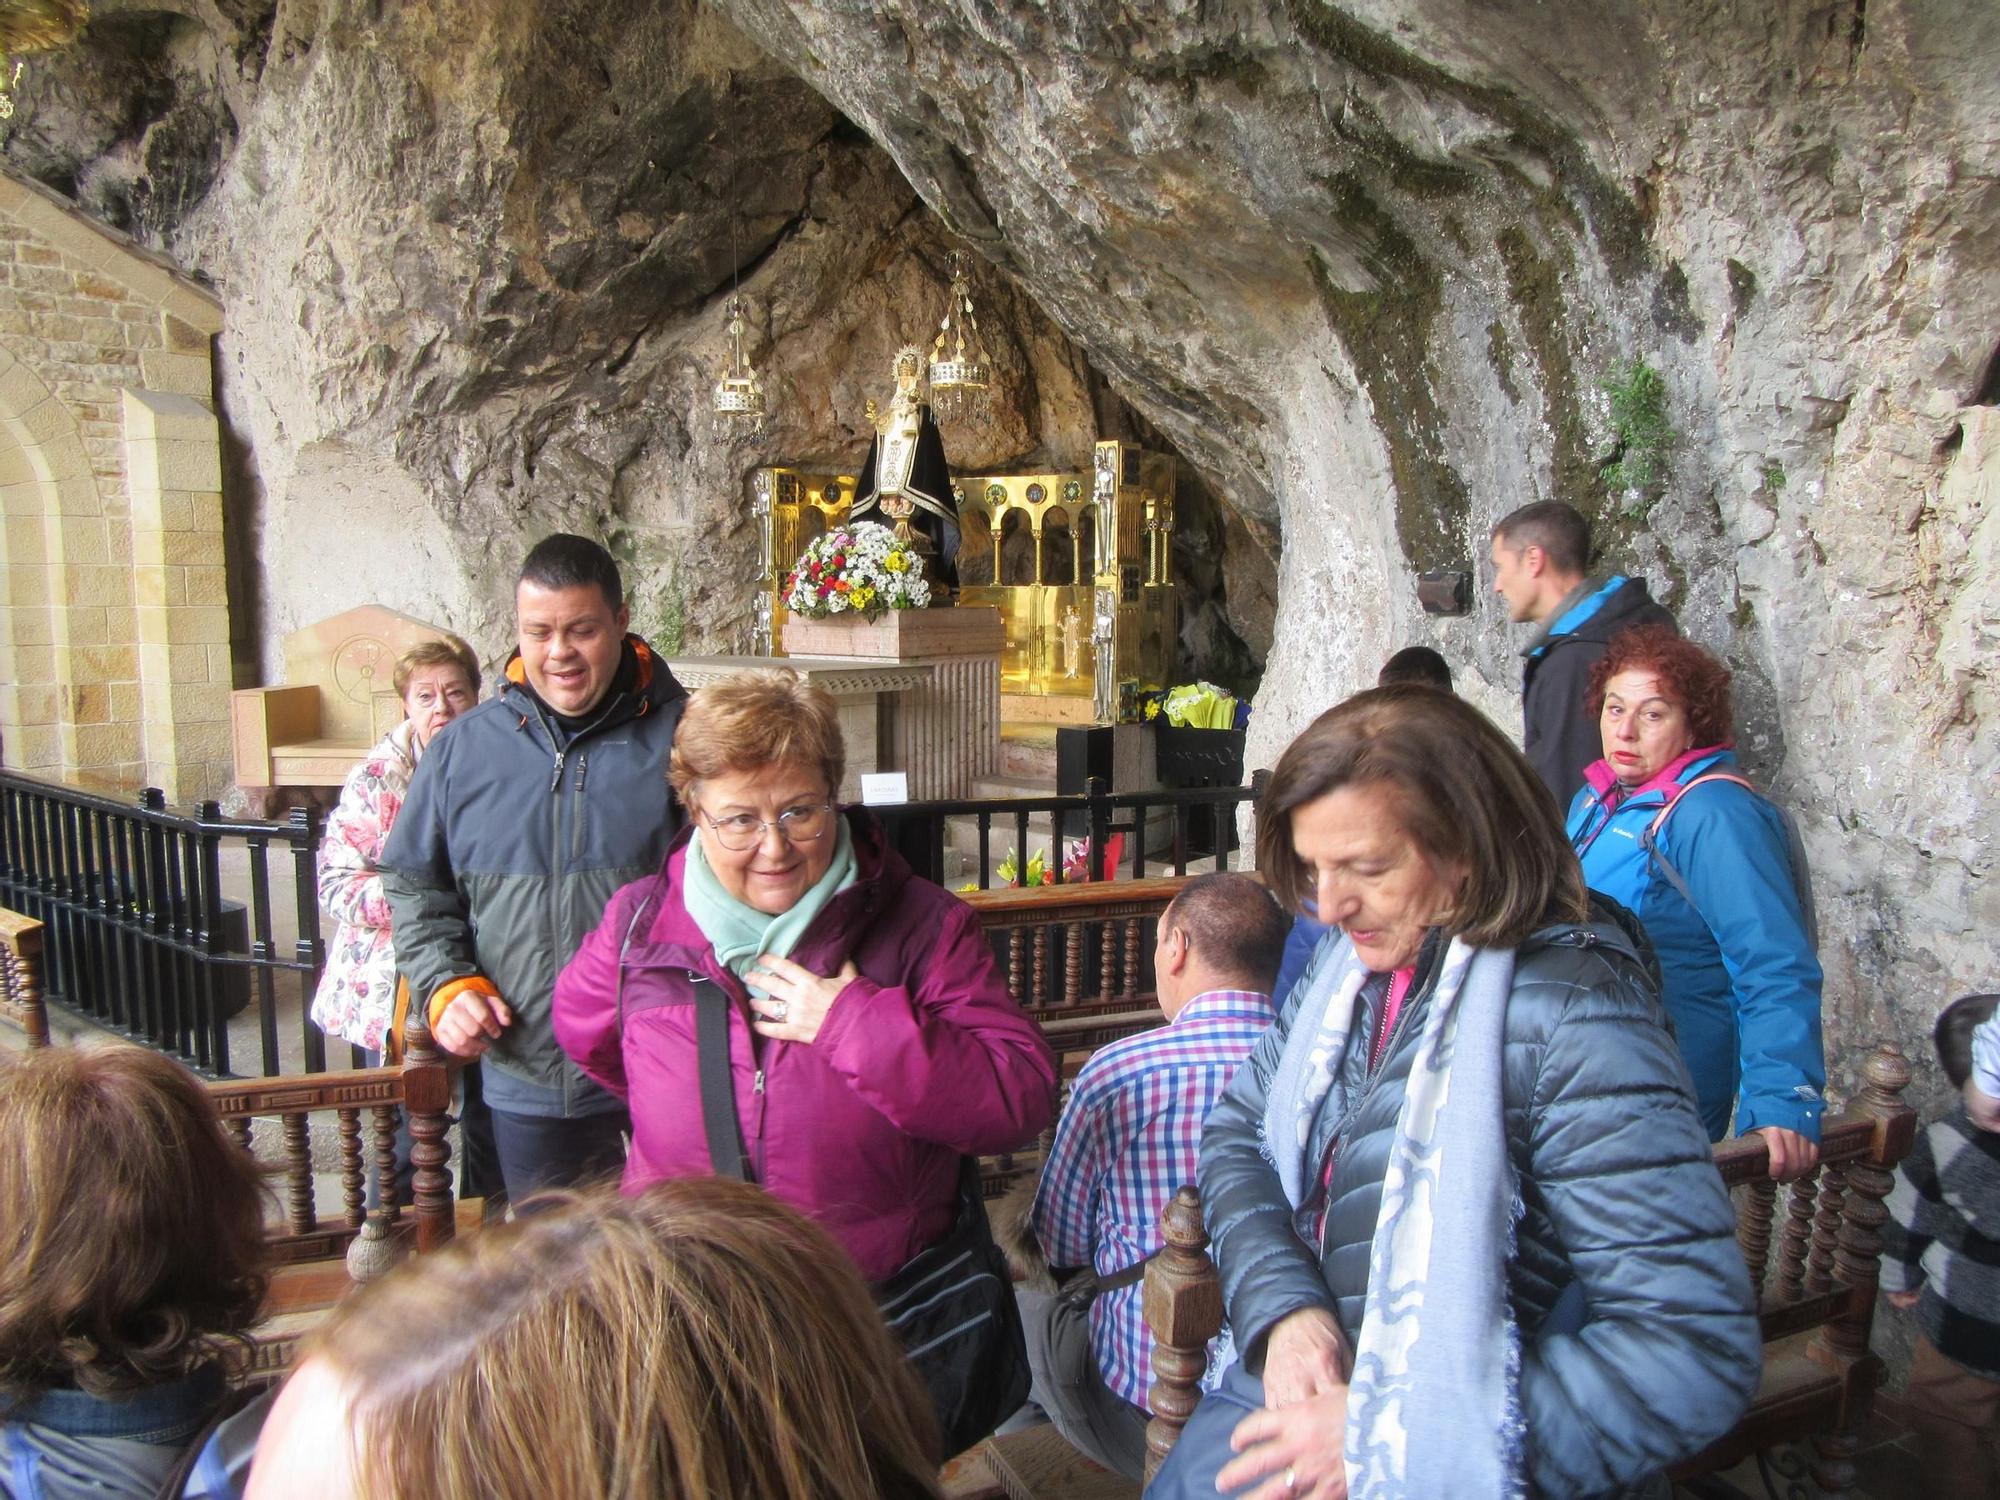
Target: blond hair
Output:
{"points": [[752, 721], [1464, 794], [131, 1226], [702, 1339], [445, 651]]}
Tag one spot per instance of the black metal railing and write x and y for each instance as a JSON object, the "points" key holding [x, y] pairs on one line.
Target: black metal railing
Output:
{"points": [[1202, 825], [149, 935], [160, 923]]}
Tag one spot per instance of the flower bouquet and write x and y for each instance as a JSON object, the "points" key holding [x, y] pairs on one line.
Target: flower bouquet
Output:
{"points": [[860, 568]]}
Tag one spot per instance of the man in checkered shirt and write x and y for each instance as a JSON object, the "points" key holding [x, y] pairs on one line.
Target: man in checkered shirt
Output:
{"points": [[1128, 1138]]}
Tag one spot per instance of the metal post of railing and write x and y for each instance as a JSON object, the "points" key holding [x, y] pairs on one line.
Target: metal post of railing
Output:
{"points": [[262, 949], [1098, 791], [208, 855], [152, 906], [303, 831]]}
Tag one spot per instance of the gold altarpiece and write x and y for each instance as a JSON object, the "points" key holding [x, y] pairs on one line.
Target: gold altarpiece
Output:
{"points": [[1080, 567]]}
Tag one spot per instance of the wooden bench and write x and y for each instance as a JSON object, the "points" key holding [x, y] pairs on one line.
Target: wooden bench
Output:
{"points": [[1817, 1302]]}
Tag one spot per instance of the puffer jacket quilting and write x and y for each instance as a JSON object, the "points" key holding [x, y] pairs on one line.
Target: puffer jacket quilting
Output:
{"points": [[1619, 1192]]}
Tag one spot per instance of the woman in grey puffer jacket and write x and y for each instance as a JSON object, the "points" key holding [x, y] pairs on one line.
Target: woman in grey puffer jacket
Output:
{"points": [[1471, 1236]]}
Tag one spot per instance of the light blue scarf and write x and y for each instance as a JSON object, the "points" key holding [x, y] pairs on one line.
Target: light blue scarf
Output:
{"points": [[1433, 1409], [739, 932]]}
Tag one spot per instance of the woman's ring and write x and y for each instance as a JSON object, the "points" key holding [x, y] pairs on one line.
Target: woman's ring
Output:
{"points": [[779, 1010], [1291, 1480]]}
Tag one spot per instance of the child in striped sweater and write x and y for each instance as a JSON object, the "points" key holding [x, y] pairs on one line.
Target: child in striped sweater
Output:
{"points": [[1941, 1256]]}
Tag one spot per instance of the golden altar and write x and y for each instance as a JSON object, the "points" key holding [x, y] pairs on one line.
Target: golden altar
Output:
{"points": [[1080, 567]]}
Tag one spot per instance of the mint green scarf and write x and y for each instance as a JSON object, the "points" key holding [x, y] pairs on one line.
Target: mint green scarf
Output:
{"points": [[739, 932]]}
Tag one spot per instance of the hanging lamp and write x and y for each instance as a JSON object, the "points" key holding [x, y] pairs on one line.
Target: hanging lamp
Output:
{"points": [[961, 373]]}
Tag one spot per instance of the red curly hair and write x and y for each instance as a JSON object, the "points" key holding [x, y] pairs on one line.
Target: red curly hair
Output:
{"points": [[1690, 676]]}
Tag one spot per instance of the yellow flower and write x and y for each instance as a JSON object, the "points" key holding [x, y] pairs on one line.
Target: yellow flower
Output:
{"points": [[861, 596], [894, 562]]}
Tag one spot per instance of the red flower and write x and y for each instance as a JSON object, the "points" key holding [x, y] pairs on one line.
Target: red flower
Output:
{"points": [[825, 589]]}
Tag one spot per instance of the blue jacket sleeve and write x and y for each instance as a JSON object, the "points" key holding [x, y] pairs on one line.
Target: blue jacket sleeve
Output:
{"points": [[1731, 850], [1300, 943]]}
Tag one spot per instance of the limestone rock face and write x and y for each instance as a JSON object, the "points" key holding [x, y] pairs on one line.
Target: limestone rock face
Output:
{"points": [[1372, 265], [474, 258], [1381, 269]]}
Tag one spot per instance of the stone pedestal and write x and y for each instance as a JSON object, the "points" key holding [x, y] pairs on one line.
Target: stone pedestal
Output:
{"points": [[862, 693], [944, 734]]}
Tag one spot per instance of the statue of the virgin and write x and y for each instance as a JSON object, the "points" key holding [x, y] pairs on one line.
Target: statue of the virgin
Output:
{"points": [[906, 477]]}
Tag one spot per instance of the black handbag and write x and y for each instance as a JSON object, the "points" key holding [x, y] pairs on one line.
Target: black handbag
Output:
{"points": [[951, 1306]]}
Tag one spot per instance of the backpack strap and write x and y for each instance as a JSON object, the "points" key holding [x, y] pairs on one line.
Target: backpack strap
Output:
{"points": [[1650, 839], [718, 1084]]}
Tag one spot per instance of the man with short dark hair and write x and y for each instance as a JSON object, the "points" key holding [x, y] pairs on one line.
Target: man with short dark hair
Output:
{"points": [[1127, 1140], [1541, 554], [523, 818]]}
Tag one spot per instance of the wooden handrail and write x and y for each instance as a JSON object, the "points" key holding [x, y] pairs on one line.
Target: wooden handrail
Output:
{"points": [[1073, 901]]}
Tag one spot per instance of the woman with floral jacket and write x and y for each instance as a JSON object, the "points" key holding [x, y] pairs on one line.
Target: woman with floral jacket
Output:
{"points": [[356, 1001]]}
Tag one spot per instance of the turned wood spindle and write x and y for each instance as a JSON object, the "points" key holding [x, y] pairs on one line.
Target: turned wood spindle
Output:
{"points": [[1798, 1237], [298, 1172], [1015, 965], [385, 1162], [353, 1189], [1826, 1228], [1041, 990], [1107, 958], [427, 1095], [239, 1131], [1753, 1228], [1183, 1303], [1073, 964], [1131, 987]]}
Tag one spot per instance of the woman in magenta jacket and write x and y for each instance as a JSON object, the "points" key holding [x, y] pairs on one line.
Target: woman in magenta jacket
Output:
{"points": [[871, 1039]]}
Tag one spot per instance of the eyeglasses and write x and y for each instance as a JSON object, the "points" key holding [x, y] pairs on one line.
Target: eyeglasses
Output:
{"points": [[795, 825]]}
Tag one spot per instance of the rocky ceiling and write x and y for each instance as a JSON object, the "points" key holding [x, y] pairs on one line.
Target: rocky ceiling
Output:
{"points": [[1724, 274]]}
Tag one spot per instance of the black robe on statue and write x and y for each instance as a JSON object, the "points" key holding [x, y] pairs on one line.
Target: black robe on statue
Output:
{"points": [[929, 491]]}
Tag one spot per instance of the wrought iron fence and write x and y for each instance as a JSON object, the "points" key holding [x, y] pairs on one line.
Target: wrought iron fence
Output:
{"points": [[160, 923], [1202, 825], [146, 936]]}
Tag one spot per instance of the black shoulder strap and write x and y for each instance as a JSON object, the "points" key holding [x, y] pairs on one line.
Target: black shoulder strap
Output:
{"points": [[718, 1086]]}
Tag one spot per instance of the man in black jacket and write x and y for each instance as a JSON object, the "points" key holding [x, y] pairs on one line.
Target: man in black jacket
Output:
{"points": [[1540, 553]]}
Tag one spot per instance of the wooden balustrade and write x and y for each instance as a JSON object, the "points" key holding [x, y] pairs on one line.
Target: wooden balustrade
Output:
{"points": [[21, 1002]]}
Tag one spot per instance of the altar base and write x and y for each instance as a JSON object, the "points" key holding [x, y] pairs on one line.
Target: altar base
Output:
{"points": [[944, 733]]}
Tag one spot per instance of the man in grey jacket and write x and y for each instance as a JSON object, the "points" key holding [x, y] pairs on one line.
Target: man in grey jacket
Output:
{"points": [[523, 818]]}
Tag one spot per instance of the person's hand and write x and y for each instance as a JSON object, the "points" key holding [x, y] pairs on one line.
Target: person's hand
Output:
{"points": [[471, 1023], [1981, 1107], [1298, 1451], [1304, 1356], [1792, 1155], [798, 999], [1903, 1301]]}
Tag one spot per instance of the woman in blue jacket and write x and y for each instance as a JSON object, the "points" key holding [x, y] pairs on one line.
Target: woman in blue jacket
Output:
{"points": [[1714, 890]]}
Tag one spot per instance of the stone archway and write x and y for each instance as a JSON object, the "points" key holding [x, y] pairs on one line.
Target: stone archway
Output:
{"points": [[53, 521]]}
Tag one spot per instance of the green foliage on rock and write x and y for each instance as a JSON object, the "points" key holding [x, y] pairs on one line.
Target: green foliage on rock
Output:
{"points": [[1645, 435]]}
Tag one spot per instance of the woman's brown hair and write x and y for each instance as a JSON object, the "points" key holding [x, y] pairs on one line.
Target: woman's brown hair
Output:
{"points": [[702, 1339], [750, 721], [1465, 796], [131, 1226], [1690, 676]]}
